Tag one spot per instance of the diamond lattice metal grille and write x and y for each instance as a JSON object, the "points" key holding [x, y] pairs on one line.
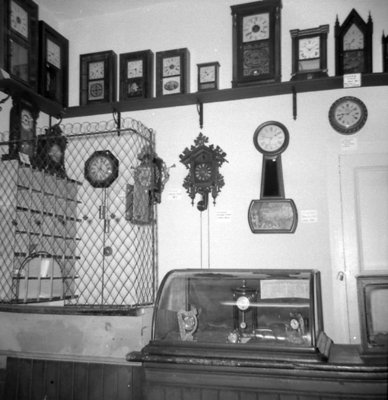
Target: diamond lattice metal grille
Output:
{"points": [[98, 240]]}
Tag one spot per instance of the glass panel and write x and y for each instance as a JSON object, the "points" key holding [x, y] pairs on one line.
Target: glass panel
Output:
{"points": [[306, 65], [19, 61]]}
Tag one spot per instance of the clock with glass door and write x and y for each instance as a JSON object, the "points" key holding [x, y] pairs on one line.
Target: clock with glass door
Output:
{"points": [[309, 52], [256, 42], [353, 45]]}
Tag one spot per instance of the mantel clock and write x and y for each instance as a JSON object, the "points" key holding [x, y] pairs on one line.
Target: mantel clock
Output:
{"points": [[256, 42], [353, 45], [309, 53], [19, 40]]}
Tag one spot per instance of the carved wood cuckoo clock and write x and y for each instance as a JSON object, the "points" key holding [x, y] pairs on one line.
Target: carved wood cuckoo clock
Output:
{"points": [[203, 162]]}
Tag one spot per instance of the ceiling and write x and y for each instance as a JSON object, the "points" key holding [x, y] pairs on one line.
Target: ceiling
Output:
{"points": [[72, 9]]}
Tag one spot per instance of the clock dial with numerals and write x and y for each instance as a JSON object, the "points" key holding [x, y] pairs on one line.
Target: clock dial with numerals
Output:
{"points": [[353, 38], [96, 70], [53, 54], [309, 48], [348, 115], [19, 19], [135, 69], [171, 66], [203, 172], [101, 169], [271, 138], [255, 27]]}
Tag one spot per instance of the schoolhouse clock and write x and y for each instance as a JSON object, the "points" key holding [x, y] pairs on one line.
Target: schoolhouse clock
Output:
{"points": [[53, 64], [101, 169], [136, 70], [348, 115], [19, 40], [172, 72], [208, 76], [353, 45], [309, 52], [98, 77], [256, 42]]}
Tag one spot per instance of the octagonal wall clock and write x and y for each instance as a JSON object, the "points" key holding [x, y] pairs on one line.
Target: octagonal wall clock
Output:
{"points": [[256, 42], [101, 169], [353, 45]]}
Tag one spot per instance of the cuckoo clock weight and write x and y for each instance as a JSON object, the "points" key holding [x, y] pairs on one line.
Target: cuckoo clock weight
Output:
{"points": [[203, 162]]}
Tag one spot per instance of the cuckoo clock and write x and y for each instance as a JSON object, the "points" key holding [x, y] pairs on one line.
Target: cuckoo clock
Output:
{"points": [[353, 45], [203, 162], [273, 213]]}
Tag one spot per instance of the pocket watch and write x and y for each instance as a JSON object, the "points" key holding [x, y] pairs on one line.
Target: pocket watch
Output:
{"points": [[101, 169], [348, 115], [271, 138]]}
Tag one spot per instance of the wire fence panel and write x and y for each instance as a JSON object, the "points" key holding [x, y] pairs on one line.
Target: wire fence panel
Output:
{"points": [[81, 211]]}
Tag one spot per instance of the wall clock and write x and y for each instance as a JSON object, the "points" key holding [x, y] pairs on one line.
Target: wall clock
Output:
{"points": [[22, 130], [273, 213], [98, 77], [348, 115], [256, 42], [353, 45], [203, 162], [384, 41], [208, 76], [50, 152], [53, 64], [309, 52], [101, 169], [172, 72], [19, 40], [136, 80]]}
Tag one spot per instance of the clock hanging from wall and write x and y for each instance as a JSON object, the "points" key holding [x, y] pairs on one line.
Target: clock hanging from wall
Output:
{"points": [[353, 45], [256, 42], [19, 40], [101, 169], [273, 213], [98, 77], [309, 52]]}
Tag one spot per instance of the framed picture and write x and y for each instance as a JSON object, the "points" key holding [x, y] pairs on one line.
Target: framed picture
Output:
{"points": [[53, 64], [272, 216], [98, 77], [136, 73]]}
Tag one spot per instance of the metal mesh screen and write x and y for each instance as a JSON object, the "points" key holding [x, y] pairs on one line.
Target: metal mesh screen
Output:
{"points": [[66, 237]]}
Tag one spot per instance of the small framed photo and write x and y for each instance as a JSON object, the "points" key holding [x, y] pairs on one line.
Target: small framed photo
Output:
{"points": [[98, 77], [53, 64], [136, 73], [272, 216]]}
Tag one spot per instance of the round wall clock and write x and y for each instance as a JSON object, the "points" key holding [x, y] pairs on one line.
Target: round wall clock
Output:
{"points": [[348, 115], [271, 138], [101, 169]]}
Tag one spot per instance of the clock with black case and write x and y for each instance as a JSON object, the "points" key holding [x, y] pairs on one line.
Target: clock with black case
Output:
{"points": [[256, 42]]}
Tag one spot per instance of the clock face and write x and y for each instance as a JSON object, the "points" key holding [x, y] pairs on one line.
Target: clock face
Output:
{"points": [[309, 48], [135, 69], [207, 74], [96, 70], [348, 115], [243, 303], [101, 169], [171, 66], [203, 172], [271, 138], [294, 323], [19, 19], [53, 55], [55, 153], [255, 27], [353, 38]]}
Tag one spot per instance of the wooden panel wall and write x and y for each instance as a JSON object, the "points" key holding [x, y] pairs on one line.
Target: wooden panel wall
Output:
{"points": [[30, 379]]}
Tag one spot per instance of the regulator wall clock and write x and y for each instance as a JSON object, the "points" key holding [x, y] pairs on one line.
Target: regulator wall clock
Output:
{"points": [[353, 45], [208, 76], [98, 77], [136, 80], [256, 42], [101, 169], [348, 115], [53, 64], [273, 213], [203, 162], [309, 52], [19, 46], [172, 72]]}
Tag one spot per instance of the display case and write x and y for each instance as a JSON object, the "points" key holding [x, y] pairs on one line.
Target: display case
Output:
{"points": [[240, 314]]}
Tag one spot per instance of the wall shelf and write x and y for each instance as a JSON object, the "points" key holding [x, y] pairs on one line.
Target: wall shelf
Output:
{"points": [[263, 90]]}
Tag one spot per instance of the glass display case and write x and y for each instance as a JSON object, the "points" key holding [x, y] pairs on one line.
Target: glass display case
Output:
{"points": [[249, 314]]}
